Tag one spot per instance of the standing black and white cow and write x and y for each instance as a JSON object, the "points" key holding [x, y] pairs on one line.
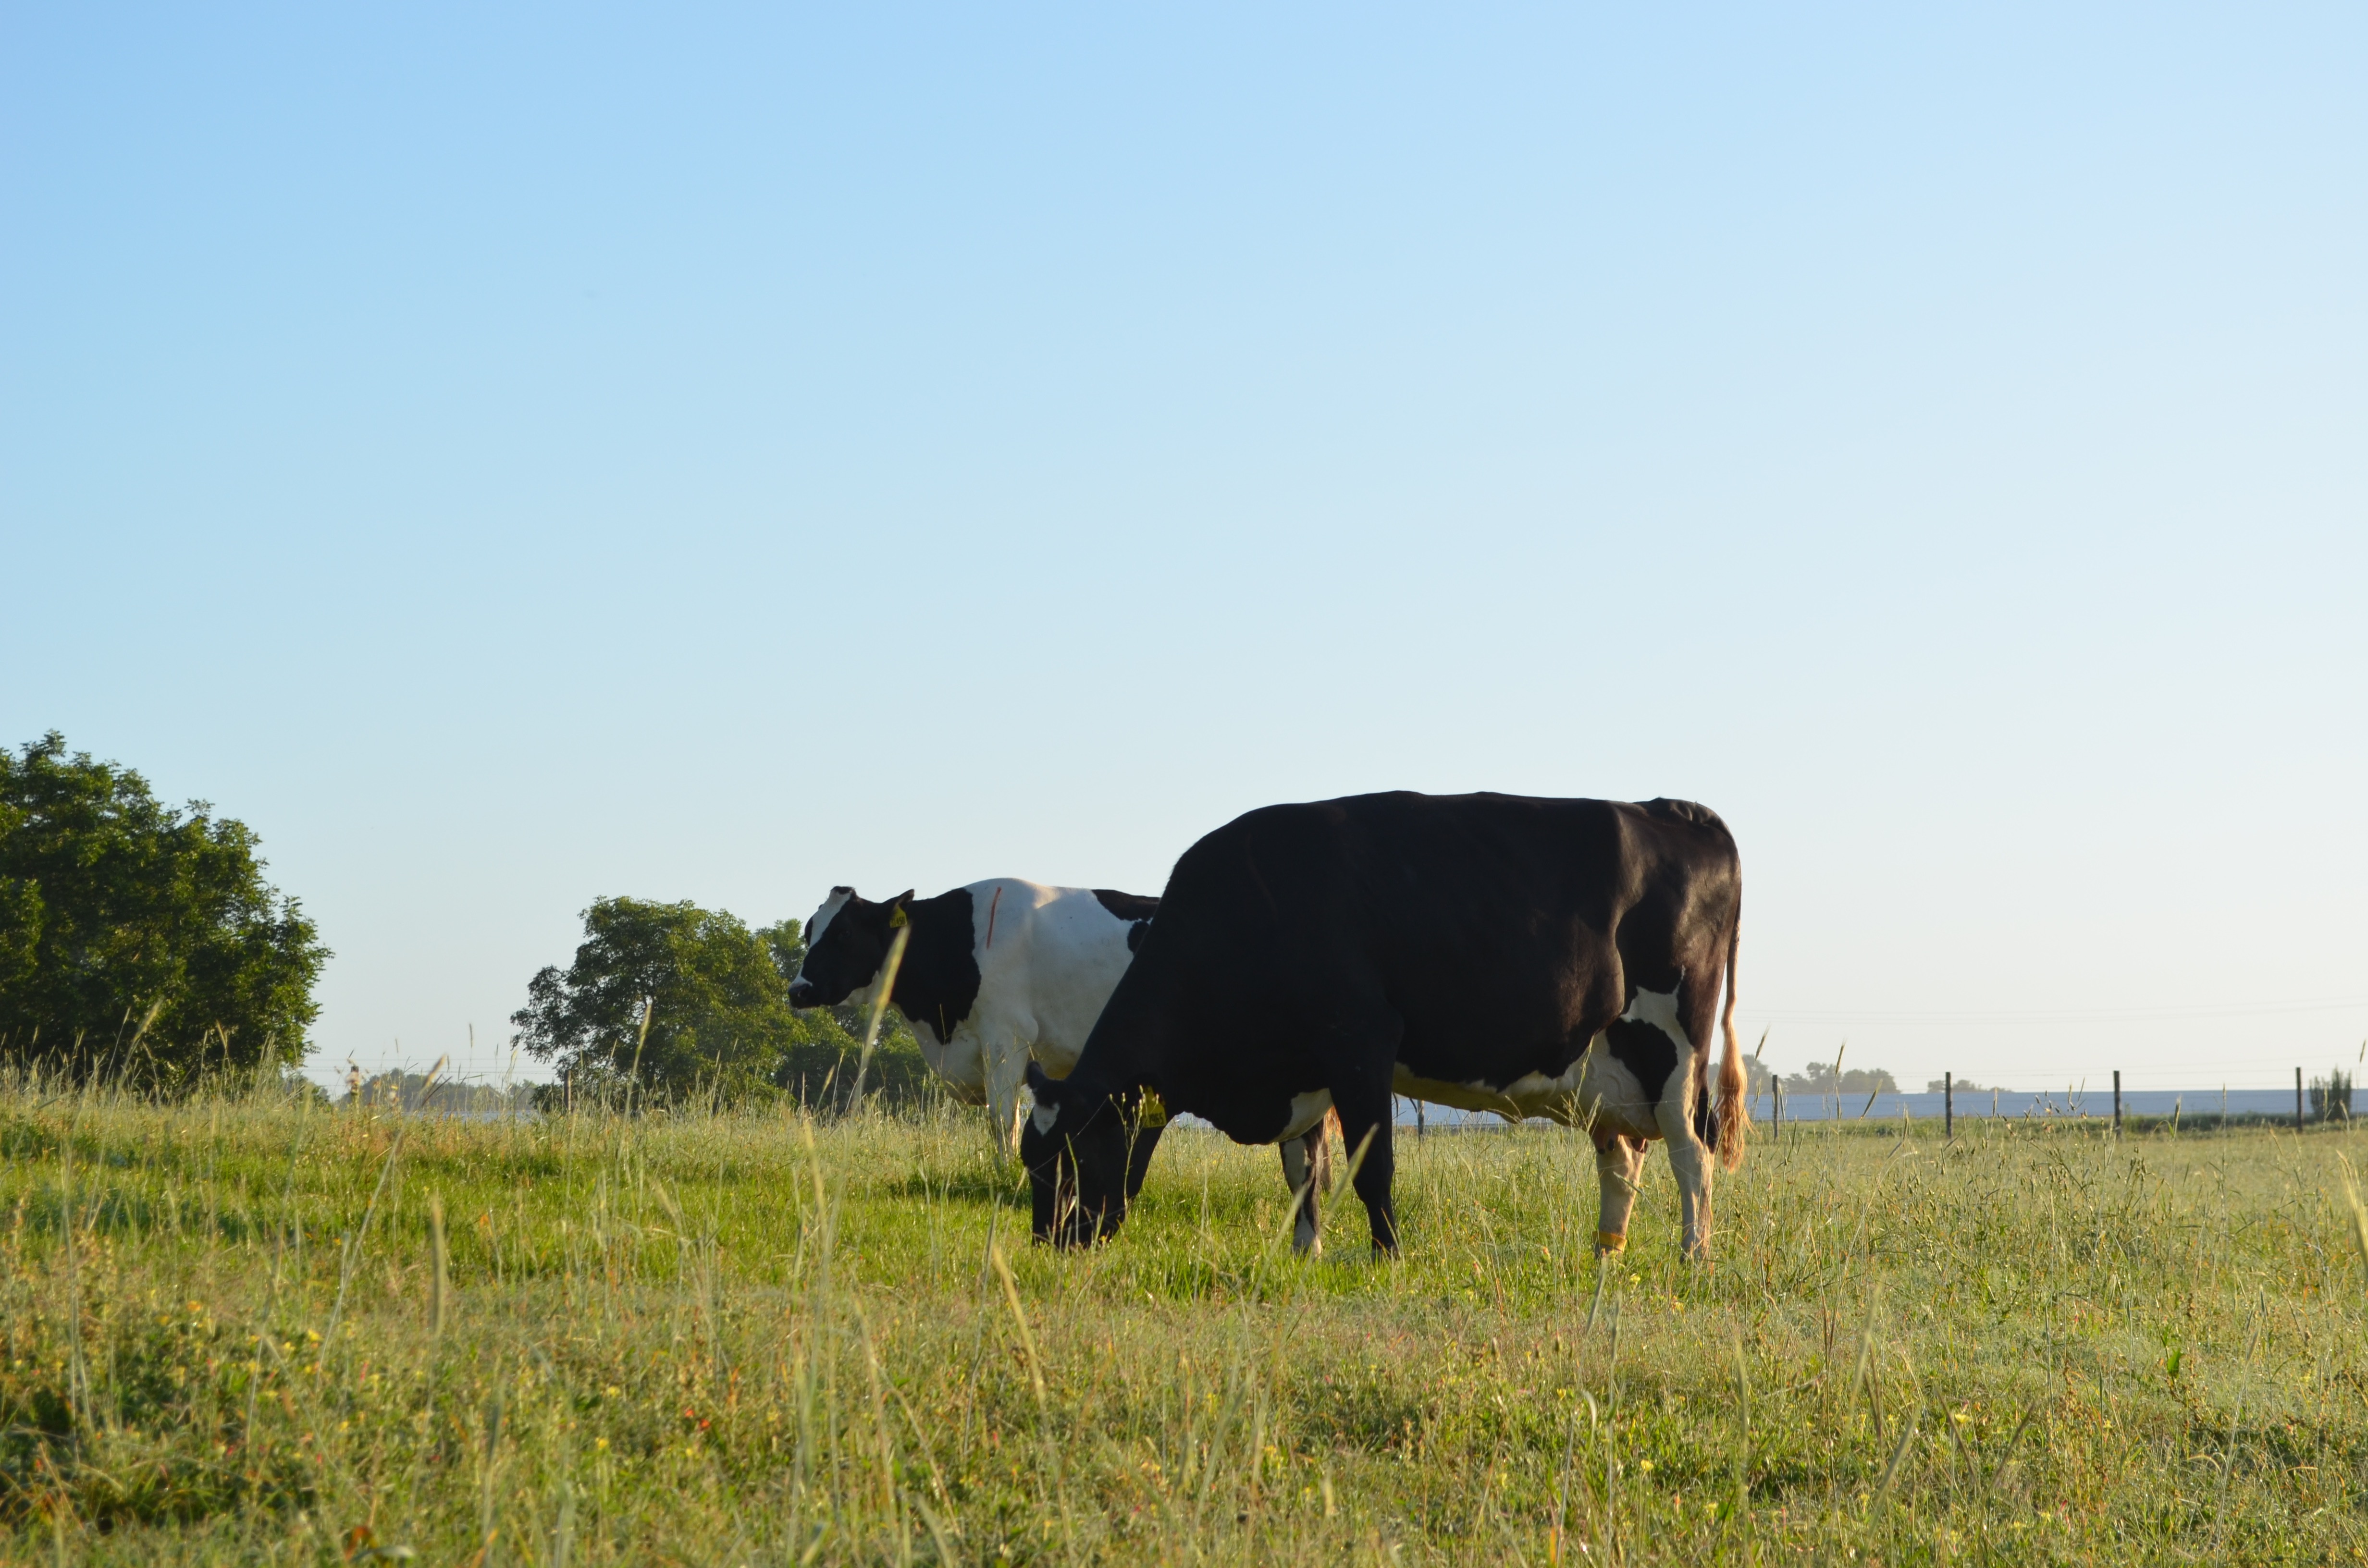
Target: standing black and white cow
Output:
{"points": [[1531, 956], [995, 973]]}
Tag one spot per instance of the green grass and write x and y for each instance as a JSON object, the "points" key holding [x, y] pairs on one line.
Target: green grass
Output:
{"points": [[760, 1340]]}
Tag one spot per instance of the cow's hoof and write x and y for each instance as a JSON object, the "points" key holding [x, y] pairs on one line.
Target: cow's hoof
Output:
{"points": [[1609, 1242]]}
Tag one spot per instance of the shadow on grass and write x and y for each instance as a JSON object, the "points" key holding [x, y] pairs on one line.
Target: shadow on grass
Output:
{"points": [[973, 1186]]}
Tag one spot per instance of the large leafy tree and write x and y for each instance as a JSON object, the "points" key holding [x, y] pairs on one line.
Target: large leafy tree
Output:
{"points": [[136, 938], [715, 997]]}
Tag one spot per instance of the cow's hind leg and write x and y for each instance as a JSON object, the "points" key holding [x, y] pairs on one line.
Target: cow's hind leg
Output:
{"points": [[1307, 1170], [1006, 1069], [1618, 1163], [1689, 1158]]}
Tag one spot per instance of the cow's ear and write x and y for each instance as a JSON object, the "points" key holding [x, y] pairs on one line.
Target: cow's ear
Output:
{"points": [[1039, 1083]]}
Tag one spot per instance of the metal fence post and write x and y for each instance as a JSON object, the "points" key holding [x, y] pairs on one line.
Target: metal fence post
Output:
{"points": [[2297, 1099], [1948, 1105], [2117, 1102]]}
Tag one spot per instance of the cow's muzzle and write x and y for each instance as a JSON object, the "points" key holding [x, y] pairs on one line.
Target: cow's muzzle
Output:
{"points": [[801, 993]]}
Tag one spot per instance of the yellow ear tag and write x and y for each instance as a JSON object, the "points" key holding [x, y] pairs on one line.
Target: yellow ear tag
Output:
{"points": [[1154, 1111], [896, 918]]}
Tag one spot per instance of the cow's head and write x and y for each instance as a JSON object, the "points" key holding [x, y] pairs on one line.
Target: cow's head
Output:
{"points": [[847, 941], [1075, 1144]]}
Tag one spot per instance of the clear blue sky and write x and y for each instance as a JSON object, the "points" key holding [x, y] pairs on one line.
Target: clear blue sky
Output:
{"points": [[512, 456]]}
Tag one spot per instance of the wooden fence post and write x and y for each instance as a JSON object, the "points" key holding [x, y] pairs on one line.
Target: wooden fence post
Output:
{"points": [[1948, 1105], [2117, 1102]]}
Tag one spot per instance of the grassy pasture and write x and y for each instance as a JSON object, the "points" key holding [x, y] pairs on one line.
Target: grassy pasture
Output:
{"points": [[755, 1340]]}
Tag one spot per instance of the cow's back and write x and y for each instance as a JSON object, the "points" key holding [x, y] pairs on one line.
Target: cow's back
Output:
{"points": [[1491, 925], [1048, 957]]}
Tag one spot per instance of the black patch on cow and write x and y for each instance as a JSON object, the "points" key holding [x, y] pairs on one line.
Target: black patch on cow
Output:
{"points": [[1131, 906], [938, 984], [846, 954], [1644, 1050]]}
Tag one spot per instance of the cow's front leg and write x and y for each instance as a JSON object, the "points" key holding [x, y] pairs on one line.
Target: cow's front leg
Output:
{"points": [[1365, 1112], [1307, 1171], [1618, 1163], [1141, 1141], [1006, 1069], [1689, 1159]]}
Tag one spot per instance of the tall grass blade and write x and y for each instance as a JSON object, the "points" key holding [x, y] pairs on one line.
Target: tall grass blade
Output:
{"points": [[439, 1284], [886, 988], [2359, 1212]]}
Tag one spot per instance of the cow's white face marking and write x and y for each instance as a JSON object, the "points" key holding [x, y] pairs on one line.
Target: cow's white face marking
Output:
{"points": [[823, 916], [1043, 1116], [838, 900]]}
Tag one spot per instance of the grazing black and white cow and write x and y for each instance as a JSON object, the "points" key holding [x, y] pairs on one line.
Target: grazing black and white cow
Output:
{"points": [[1529, 957], [996, 974]]}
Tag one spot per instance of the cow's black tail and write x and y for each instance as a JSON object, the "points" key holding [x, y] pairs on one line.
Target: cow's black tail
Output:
{"points": [[1733, 1089]]}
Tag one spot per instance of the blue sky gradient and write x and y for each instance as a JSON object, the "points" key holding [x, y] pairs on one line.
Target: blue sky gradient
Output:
{"points": [[715, 453]]}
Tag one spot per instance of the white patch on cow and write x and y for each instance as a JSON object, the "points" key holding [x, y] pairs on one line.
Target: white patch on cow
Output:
{"points": [[1044, 1115], [1659, 1008], [1306, 1111], [1596, 1088]]}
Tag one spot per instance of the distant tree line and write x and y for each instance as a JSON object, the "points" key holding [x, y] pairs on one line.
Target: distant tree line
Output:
{"points": [[672, 1004], [1820, 1078], [431, 1094], [139, 943]]}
